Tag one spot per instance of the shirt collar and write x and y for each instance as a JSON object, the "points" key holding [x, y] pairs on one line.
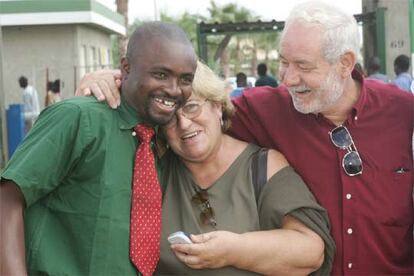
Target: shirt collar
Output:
{"points": [[361, 102], [129, 119], [129, 116]]}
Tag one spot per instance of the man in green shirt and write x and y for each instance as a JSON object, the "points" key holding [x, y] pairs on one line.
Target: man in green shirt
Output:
{"points": [[65, 196]]}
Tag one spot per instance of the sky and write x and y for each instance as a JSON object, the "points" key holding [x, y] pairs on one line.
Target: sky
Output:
{"points": [[265, 9]]}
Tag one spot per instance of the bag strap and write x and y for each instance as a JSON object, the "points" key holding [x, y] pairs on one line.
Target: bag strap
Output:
{"points": [[259, 171]]}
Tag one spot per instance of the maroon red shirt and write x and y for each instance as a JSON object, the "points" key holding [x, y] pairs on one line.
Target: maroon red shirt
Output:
{"points": [[371, 214]]}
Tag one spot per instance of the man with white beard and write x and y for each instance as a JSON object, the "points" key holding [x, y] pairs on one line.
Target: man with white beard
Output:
{"points": [[349, 138]]}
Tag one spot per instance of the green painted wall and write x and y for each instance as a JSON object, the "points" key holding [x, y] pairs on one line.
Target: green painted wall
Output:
{"points": [[33, 6]]}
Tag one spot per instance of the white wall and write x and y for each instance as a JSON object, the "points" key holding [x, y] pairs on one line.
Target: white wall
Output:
{"points": [[397, 32], [31, 50], [93, 47]]}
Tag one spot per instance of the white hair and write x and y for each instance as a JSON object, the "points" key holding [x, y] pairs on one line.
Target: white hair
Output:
{"points": [[340, 30]]}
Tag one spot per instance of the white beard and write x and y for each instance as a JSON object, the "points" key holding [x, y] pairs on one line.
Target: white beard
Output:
{"points": [[321, 99]]}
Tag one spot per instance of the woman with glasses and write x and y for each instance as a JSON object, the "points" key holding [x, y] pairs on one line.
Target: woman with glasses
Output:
{"points": [[208, 192]]}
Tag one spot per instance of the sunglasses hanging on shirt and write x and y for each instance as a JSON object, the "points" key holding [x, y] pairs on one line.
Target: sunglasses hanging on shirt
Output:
{"points": [[207, 215], [342, 139]]}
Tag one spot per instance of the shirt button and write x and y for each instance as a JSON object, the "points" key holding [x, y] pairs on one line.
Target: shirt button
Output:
{"points": [[349, 265], [356, 118], [349, 231], [348, 196], [134, 133]]}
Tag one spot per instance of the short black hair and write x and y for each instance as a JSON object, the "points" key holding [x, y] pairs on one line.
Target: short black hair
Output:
{"points": [[401, 64], [150, 30], [262, 69], [374, 65], [56, 86], [241, 79], [23, 82]]}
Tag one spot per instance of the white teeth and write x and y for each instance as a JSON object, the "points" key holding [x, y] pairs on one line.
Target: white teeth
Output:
{"points": [[190, 135], [165, 102], [169, 103]]}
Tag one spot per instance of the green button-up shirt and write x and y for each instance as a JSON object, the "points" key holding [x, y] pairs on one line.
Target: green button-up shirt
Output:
{"points": [[75, 170]]}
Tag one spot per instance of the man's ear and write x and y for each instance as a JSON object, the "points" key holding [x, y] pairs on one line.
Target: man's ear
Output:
{"points": [[124, 67], [347, 62]]}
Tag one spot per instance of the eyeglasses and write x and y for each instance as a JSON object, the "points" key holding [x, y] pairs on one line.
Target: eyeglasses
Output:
{"points": [[190, 110], [351, 162], [207, 212]]}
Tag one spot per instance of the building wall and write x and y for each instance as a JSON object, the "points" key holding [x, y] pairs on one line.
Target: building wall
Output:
{"points": [[94, 50], [32, 51], [397, 32], [50, 50]]}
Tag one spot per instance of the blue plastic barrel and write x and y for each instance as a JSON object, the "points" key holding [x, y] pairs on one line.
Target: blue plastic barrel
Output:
{"points": [[15, 126]]}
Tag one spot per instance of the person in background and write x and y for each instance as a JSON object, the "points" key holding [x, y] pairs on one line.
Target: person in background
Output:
{"points": [[53, 94], [374, 67], [241, 83], [264, 79], [403, 78], [30, 102], [412, 86], [330, 124], [49, 86], [67, 192]]}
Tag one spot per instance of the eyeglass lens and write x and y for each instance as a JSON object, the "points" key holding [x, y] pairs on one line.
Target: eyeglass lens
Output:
{"points": [[341, 137], [190, 110], [352, 163]]}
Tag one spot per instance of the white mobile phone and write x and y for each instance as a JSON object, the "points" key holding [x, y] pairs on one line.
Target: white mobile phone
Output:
{"points": [[179, 237]]}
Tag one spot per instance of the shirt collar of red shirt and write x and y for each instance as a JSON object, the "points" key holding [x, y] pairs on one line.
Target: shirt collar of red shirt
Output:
{"points": [[361, 102]]}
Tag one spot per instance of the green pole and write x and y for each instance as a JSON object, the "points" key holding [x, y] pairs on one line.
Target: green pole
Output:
{"points": [[202, 44], [411, 11]]}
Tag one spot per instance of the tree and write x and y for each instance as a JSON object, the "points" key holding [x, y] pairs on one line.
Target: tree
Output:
{"points": [[224, 14], [230, 53], [188, 22]]}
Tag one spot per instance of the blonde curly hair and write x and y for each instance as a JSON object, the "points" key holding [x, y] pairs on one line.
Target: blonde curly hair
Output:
{"points": [[208, 85]]}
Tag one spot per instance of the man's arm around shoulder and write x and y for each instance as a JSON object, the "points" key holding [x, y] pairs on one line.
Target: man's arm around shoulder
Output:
{"points": [[12, 246]]}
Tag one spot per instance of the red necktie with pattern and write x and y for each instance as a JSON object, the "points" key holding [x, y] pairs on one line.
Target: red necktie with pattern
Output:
{"points": [[145, 225]]}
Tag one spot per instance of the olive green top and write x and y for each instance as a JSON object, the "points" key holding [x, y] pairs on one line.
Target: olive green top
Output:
{"points": [[233, 200], [75, 171]]}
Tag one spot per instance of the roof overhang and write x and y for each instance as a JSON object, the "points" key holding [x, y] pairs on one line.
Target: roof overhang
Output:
{"points": [[47, 12]]}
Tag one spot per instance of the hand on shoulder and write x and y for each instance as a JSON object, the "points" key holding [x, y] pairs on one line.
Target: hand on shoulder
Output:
{"points": [[103, 84]]}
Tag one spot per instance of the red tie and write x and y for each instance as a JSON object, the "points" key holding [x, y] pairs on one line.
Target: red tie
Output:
{"points": [[145, 225]]}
